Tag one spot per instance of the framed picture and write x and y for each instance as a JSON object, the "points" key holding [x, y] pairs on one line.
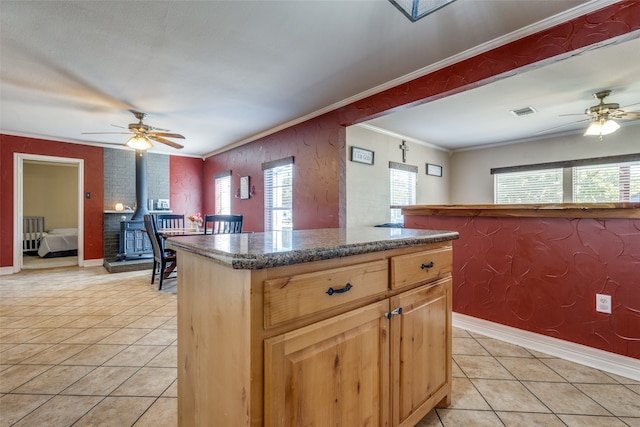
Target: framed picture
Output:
{"points": [[434, 170], [360, 155], [244, 187]]}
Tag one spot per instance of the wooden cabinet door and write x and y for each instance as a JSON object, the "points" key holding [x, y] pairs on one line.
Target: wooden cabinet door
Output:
{"points": [[420, 351], [332, 373]]}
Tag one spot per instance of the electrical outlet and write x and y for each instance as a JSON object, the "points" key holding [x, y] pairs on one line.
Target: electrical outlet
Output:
{"points": [[603, 303]]}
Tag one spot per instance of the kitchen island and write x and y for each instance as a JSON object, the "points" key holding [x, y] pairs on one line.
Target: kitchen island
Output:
{"points": [[343, 327]]}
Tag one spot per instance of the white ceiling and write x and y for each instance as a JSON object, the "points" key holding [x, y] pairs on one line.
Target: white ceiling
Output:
{"points": [[223, 72], [559, 92]]}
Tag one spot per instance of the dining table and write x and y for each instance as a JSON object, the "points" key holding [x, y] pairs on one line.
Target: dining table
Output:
{"points": [[165, 233], [173, 232]]}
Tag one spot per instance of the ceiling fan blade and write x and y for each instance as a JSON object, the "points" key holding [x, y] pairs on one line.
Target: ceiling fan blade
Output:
{"points": [[561, 126], [106, 133], [118, 126], [626, 115], [166, 135], [113, 143], [160, 129], [165, 141]]}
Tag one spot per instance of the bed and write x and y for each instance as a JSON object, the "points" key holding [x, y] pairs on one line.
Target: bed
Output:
{"points": [[58, 242]]}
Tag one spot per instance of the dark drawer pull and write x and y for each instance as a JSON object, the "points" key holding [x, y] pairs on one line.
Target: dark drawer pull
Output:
{"points": [[430, 265], [332, 291]]}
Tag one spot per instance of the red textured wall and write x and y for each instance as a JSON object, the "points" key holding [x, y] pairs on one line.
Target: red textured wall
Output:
{"points": [[93, 182], [549, 45], [542, 275], [315, 145], [186, 184], [318, 144]]}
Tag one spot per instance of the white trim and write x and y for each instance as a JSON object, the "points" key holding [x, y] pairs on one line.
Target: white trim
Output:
{"points": [[6, 270], [568, 15], [599, 359], [400, 136], [99, 262], [18, 188], [113, 146]]}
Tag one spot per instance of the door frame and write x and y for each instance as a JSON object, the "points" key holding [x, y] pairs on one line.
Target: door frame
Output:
{"points": [[18, 200]]}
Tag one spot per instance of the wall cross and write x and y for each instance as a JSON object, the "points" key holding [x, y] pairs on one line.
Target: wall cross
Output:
{"points": [[404, 149]]}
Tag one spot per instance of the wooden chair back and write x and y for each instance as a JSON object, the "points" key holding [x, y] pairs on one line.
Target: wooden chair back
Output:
{"points": [[170, 221], [161, 256], [152, 232], [222, 224]]}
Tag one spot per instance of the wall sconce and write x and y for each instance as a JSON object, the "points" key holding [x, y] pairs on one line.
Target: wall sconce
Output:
{"points": [[243, 192]]}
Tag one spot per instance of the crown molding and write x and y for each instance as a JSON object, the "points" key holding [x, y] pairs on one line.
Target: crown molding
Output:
{"points": [[537, 27]]}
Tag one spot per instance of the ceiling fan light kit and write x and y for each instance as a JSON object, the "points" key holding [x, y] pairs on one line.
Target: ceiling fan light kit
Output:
{"points": [[139, 142], [602, 127], [143, 134], [602, 123]]}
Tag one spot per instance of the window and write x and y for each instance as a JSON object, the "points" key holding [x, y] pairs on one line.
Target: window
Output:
{"points": [[607, 183], [278, 195], [403, 180], [223, 193], [542, 186], [606, 179]]}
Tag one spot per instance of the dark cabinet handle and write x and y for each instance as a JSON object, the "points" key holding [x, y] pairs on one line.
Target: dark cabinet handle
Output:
{"points": [[391, 313], [430, 265], [332, 291]]}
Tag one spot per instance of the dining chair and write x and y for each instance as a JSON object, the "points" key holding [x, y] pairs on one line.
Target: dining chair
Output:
{"points": [[161, 257], [169, 221], [222, 224]]}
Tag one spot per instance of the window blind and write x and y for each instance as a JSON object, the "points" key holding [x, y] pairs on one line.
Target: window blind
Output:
{"points": [[403, 191], [618, 182], [541, 186], [278, 197], [223, 193]]}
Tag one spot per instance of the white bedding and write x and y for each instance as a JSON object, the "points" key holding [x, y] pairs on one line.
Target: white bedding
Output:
{"points": [[58, 240]]}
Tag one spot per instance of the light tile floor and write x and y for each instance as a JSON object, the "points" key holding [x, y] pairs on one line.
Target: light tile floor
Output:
{"points": [[82, 347]]}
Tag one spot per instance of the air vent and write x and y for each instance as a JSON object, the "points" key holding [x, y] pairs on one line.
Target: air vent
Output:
{"points": [[523, 111]]}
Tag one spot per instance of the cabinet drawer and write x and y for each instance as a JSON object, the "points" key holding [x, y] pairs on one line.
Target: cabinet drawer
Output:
{"points": [[291, 297], [420, 267]]}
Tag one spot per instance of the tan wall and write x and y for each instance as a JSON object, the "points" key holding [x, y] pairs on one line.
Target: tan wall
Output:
{"points": [[368, 186], [51, 191], [472, 181]]}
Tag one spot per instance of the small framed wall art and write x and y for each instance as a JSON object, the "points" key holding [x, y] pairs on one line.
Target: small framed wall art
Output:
{"points": [[360, 155], [434, 170]]}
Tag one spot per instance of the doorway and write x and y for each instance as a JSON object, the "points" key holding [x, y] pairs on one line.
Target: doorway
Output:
{"points": [[50, 188]]}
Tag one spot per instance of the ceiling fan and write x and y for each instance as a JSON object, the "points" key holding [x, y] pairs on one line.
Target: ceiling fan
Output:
{"points": [[143, 134], [603, 114]]}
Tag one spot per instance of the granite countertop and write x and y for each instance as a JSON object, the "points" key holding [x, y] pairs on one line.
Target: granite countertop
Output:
{"points": [[254, 251]]}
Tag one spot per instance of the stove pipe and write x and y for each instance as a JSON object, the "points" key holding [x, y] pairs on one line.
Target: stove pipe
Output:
{"points": [[141, 186]]}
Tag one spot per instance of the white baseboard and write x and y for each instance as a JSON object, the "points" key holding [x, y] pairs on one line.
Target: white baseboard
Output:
{"points": [[86, 263], [93, 262], [6, 270], [606, 361]]}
